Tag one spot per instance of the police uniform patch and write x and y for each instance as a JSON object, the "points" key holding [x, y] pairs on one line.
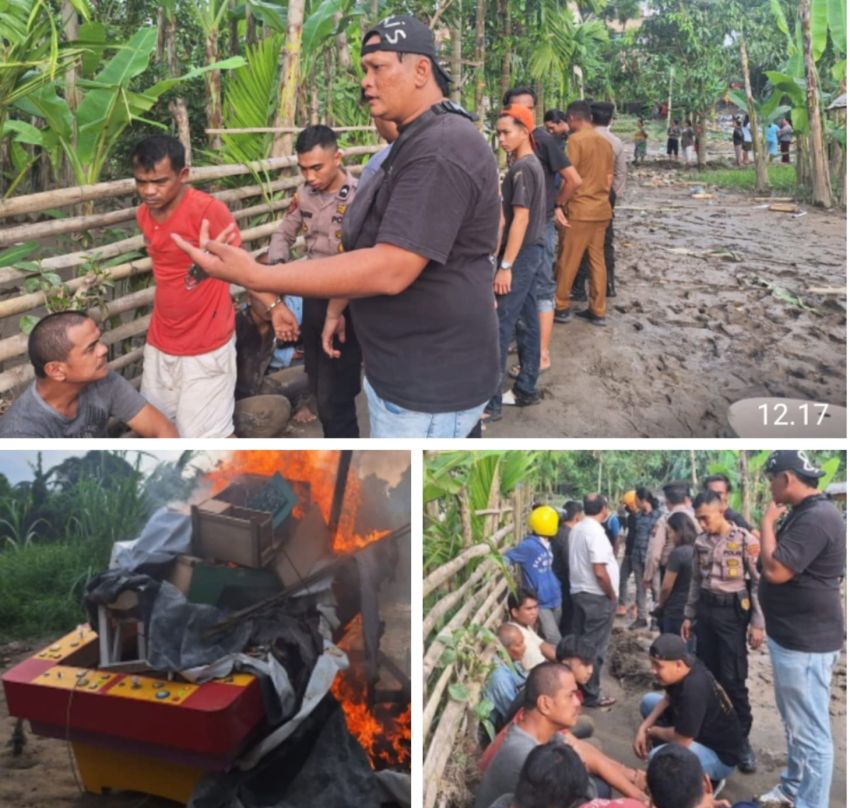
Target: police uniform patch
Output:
{"points": [[733, 567], [307, 214], [733, 546], [341, 208], [745, 604], [338, 234], [340, 248], [344, 192], [304, 228], [337, 219], [753, 549]]}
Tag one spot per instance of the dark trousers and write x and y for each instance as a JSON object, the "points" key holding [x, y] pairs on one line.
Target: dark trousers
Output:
{"points": [[593, 618], [722, 646], [520, 303], [334, 382], [584, 266], [785, 148]]}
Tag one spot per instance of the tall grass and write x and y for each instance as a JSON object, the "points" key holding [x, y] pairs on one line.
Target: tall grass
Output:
{"points": [[782, 178]]}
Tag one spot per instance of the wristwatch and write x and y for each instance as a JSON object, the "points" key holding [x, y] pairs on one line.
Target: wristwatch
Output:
{"points": [[505, 265], [273, 304]]}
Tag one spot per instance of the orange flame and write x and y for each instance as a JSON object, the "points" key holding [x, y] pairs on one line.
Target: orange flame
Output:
{"points": [[312, 472], [385, 739]]}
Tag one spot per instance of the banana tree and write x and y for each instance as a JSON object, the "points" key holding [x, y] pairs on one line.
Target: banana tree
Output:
{"points": [[31, 55], [88, 135]]}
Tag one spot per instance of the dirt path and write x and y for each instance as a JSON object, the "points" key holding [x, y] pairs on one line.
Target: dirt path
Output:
{"points": [[691, 332]]}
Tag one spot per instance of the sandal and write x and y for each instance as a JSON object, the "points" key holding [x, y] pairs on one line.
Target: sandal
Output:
{"points": [[604, 701]]}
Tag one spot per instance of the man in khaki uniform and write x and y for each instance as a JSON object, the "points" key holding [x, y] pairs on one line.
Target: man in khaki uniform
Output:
{"points": [[586, 214], [726, 610], [677, 498], [316, 213]]}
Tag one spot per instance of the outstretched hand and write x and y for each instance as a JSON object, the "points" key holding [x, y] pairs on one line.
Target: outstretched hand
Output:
{"points": [[215, 255]]}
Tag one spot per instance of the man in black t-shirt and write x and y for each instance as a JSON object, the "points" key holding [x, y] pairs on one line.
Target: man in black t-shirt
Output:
{"points": [[694, 710], [420, 240], [561, 180], [803, 566]]}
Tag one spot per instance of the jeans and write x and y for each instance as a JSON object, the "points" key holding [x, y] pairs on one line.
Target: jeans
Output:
{"points": [[801, 686], [520, 302], [545, 287], [388, 420], [593, 618], [550, 620], [712, 765]]}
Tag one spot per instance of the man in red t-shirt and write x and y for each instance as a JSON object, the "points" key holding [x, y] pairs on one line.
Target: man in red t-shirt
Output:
{"points": [[190, 356]]}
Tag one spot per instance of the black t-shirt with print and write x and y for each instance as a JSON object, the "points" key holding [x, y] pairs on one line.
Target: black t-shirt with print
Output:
{"points": [[702, 711], [523, 187], [435, 347], [806, 613]]}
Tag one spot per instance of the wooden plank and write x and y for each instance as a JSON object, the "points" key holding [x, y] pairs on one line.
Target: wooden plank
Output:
{"points": [[443, 573]]}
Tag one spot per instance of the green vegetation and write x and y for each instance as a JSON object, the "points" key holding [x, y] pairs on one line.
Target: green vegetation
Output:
{"points": [[57, 532], [783, 178]]}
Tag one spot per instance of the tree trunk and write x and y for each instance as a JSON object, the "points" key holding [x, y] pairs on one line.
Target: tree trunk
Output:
{"points": [[540, 89], [314, 103], [759, 157], [456, 65], [480, 78], [694, 479], [821, 191], [505, 13], [343, 54], [374, 11], [212, 82], [329, 94], [804, 165], [177, 107], [250, 28], [289, 78], [235, 45], [71, 26], [670, 99], [702, 156], [746, 503]]}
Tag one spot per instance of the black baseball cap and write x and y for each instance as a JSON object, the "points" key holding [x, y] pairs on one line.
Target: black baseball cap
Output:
{"points": [[669, 648], [791, 460], [403, 33]]}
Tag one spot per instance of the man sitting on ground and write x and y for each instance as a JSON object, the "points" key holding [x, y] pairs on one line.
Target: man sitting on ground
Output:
{"points": [[550, 704], [694, 711], [506, 680], [75, 393], [553, 777], [676, 780], [525, 611]]}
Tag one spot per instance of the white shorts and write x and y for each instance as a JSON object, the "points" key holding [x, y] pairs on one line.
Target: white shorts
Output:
{"points": [[196, 392]]}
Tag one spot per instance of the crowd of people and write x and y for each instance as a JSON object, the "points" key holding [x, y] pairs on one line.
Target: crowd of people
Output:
{"points": [[718, 586], [424, 254]]}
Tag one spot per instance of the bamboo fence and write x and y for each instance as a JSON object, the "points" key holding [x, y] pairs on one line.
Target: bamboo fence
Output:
{"points": [[124, 310], [470, 591]]}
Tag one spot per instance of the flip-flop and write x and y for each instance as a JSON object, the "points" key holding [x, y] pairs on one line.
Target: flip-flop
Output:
{"points": [[604, 701]]}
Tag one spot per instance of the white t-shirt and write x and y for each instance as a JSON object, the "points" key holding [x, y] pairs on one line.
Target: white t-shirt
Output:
{"points": [[588, 546], [533, 656]]}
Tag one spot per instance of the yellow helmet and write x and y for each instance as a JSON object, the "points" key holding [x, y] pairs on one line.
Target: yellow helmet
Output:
{"points": [[630, 500], [543, 521]]}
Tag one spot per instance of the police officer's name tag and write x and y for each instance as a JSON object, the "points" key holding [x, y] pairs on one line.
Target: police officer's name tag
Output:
{"points": [[787, 418]]}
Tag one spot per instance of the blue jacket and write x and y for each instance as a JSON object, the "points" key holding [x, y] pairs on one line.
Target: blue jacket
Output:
{"points": [[502, 687], [534, 556]]}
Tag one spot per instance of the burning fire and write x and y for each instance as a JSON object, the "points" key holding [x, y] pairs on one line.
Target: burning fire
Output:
{"points": [[385, 738], [316, 469]]}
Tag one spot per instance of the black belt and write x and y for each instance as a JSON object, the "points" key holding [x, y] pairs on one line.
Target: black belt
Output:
{"points": [[718, 599]]}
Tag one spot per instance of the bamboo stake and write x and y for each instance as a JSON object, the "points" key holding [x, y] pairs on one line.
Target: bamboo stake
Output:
{"points": [[445, 604]]}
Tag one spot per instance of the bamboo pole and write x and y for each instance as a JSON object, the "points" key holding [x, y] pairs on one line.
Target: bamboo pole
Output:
{"points": [[25, 303], [443, 573], [64, 197], [445, 604], [432, 654], [257, 130]]}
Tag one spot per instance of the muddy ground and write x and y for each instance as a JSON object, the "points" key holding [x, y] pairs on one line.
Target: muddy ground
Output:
{"points": [[714, 304]]}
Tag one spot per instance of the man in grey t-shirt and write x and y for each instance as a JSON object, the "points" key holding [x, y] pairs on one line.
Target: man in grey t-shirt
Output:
{"points": [[551, 704], [75, 393]]}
